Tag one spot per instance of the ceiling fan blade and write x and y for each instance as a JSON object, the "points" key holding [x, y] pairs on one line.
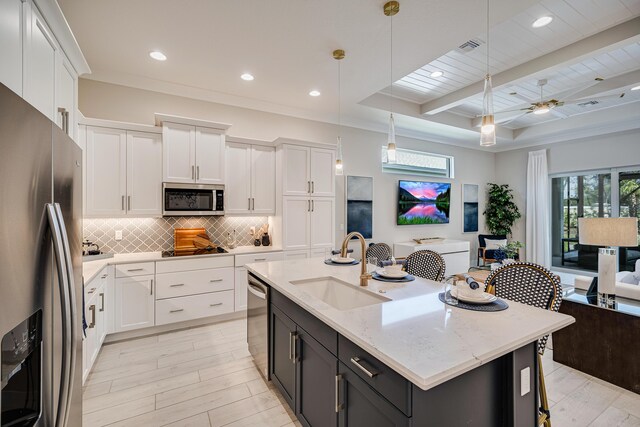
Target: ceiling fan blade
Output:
{"points": [[597, 98], [528, 109], [575, 93], [515, 118], [559, 114]]}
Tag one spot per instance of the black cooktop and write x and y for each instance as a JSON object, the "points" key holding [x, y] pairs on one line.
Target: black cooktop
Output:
{"points": [[218, 250]]}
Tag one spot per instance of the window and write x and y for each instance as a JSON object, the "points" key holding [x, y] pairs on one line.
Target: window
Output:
{"points": [[610, 193], [418, 163]]}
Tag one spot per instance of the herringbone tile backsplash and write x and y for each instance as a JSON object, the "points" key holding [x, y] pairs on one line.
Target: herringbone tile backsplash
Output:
{"points": [[156, 234]]}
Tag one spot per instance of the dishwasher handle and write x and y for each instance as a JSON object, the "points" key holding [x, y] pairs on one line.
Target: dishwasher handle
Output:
{"points": [[256, 288]]}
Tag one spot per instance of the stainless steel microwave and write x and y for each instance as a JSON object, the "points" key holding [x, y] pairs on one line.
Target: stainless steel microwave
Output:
{"points": [[192, 199]]}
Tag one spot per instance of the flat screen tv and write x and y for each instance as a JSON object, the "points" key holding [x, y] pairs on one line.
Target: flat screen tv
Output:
{"points": [[423, 202]]}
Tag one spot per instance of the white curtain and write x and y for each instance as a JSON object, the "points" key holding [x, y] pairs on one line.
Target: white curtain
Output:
{"points": [[537, 244]]}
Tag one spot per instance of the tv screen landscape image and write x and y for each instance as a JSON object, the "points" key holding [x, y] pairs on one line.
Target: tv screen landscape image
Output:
{"points": [[423, 202]]}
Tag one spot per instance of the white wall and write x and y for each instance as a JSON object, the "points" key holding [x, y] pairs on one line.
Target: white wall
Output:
{"points": [[614, 150], [361, 151]]}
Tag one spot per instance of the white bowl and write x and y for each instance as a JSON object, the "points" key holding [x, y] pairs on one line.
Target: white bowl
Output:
{"points": [[391, 274], [341, 260]]}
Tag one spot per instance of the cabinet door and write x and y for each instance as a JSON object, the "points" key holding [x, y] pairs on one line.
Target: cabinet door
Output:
{"points": [[238, 179], [322, 172], [179, 153], [240, 289], [90, 341], [65, 96], [11, 31], [322, 219], [40, 63], [106, 162], [144, 173], [101, 318], [282, 354], [295, 170], [295, 220], [316, 379], [263, 180], [134, 303], [209, 156], [362, 406]]}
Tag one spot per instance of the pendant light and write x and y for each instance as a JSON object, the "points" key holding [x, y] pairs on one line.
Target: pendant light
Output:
{"points": [[391, 8], [488, 128], [338, 54]]}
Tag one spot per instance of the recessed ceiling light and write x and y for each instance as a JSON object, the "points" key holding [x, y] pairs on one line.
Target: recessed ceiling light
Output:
{"points": [[158, 56], [246, 76], [437, 74], [542, 21], [314, 93], [635, 88]]}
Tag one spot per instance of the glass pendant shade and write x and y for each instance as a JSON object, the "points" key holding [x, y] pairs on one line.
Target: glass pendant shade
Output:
{"points": [[488, 128], [339, 167], [391, 143]]}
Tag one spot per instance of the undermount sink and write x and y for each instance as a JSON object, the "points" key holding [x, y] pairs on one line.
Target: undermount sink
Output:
{"points": [[338, 294]]}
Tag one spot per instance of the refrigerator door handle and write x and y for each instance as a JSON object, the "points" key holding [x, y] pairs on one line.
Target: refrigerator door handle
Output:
{"points": [[71, 312], [58, 249]]}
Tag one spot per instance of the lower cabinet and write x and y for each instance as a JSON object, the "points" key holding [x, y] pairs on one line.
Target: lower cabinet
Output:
{"points": [[96, 295], [134, 303], [282, 354]]}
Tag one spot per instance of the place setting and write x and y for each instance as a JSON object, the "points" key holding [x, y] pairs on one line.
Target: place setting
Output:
{"points": [[470, 294], [388, 271], [336, 258]]}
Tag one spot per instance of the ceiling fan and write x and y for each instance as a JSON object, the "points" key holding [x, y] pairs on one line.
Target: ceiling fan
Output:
{"points": [[544, 106]]}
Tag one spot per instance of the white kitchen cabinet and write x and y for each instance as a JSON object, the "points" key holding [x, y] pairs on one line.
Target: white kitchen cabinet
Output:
{"points": [[295, 218], [322, 229], [134, 303], [90, 341], [97, 318], [210, 147], [192, 154], [66, 96], [105, 163], [144, 173], [250, 179], [40, 76], [308, 171], [11, 34]]}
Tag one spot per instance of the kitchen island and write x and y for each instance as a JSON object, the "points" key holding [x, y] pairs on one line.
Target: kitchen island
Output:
{"points": [[393, 354]]}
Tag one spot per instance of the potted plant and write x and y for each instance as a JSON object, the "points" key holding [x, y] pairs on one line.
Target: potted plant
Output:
{"points": [[508, 252], [501, 212]]}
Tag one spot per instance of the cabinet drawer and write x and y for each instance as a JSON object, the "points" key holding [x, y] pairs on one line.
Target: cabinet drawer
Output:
{"points": [[241, 260], [170, 285], [96, 285], [135, 269], [392, 386], [193, 307], [188, 264]]}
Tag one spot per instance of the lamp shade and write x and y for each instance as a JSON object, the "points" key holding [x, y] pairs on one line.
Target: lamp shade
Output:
{"points": [[608, 231]]}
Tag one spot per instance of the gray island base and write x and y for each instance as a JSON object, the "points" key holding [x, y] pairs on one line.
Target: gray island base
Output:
{"points": [[386, 365]]}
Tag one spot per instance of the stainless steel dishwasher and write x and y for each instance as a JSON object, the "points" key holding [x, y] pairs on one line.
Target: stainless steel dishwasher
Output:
{"points": [[258, 323]]}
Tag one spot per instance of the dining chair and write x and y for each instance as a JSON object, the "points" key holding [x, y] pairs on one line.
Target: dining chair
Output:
{"points": [[426, 264], [533, 285], [381, 251]]}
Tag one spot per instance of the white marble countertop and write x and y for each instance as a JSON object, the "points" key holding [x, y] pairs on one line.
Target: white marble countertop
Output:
{"points": [[415, 334], [90, 269]]}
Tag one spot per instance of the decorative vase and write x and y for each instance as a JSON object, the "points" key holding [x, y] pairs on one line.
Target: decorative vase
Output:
{"points": [[256, 242], [266, 241]]}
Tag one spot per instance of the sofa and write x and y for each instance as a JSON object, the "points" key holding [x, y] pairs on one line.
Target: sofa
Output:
{"points": [[625, 290]]}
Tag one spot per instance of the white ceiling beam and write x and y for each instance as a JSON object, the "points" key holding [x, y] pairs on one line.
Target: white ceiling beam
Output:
{"points": [[576, 52]]}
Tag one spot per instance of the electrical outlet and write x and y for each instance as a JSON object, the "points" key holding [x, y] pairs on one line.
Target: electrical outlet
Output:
{"points": [[252, 231], [118, 235], [525, 381]]}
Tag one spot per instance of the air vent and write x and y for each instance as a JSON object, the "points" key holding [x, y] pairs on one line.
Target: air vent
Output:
{"points": [[588, 103], [469, 45]]}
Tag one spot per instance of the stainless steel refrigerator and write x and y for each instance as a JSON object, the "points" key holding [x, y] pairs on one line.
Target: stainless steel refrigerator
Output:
{"points": [[40, 269]]}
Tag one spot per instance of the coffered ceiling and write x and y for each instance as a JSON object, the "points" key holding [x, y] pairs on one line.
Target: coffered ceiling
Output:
{"points": [[287, 45]]}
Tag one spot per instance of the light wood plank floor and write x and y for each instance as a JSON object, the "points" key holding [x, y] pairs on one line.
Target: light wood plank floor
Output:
{"points": [[204, 377]]}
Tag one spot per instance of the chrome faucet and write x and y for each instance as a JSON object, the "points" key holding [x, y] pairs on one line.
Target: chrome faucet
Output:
{"points": [[364, 276]]}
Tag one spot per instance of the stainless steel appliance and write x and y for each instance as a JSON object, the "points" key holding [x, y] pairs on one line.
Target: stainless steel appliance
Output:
{"points": [[40, 269], [258, 323], [192, 199]]}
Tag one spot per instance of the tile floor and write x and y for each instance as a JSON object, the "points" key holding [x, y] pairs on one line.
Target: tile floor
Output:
{"points": [[204, 377]]}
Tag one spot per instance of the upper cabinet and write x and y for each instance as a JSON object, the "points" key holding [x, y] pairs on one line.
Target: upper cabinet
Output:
{"points": [[308, 171], [123, 172], [192, 153], [41, 60], [250, 179]]}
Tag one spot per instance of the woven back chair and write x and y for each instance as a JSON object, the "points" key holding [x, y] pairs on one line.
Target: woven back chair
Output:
{"points": [[533, 285], [426, 264], [382, 251]]}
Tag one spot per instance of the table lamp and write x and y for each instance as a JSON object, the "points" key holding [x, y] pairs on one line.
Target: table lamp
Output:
{"points": [[610, 232]]}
